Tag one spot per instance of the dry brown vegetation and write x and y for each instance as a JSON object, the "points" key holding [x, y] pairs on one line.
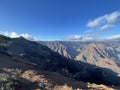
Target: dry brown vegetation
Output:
{"points": [[43, 80]]}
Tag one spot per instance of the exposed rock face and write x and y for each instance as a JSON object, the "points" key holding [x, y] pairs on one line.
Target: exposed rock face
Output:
{"points": [[23, 54], [100, 55], [103, 54]]}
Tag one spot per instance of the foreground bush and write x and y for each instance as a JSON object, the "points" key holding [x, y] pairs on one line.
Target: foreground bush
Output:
{"points": [[8, 81]]}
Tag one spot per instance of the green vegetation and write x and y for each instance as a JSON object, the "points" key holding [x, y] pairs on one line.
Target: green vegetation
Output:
{"points": [[8, 81], [118, 56], [4, 41], [4, 38]]}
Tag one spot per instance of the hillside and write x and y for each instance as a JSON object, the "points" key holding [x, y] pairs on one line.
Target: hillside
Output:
{"points": [[16, 79], [103, 53], [27, 55]]}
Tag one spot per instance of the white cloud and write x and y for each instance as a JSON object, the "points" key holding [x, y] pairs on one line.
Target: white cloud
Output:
{"points": [[29, 37], [88, 39], [114, 37], [90, 33], [105, 22], [95, 23], [74, 38], [15, 35], [107, 26]]}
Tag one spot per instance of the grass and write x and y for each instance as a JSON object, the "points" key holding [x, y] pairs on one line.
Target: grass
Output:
{"points": [[118, 56]]}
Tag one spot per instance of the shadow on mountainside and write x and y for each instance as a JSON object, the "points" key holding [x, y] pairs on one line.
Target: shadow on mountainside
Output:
{"points": [[24, 54], [16, 79], [84, 72]]}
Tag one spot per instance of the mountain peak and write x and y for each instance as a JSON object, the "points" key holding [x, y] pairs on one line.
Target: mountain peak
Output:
{"points": [[21, 37]]}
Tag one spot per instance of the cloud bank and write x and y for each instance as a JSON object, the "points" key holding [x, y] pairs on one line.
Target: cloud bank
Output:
{"points": [[74, 38], [105, 22], [115, 37], [90, 33], [15, 35]]}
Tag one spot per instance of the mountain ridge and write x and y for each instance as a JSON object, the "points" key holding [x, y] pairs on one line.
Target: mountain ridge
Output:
{"points": [[24, 54], [103, 54]]}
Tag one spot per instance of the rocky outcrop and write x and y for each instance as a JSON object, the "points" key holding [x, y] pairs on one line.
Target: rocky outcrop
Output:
{"points": [[104, 54]]}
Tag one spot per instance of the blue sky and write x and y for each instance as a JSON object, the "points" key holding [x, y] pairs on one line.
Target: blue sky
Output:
{"points": [[60, 19]]}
